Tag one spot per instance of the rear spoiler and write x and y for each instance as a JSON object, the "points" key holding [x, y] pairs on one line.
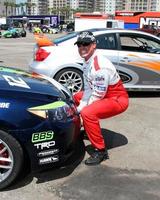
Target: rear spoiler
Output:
{"points": [[42, 40]]}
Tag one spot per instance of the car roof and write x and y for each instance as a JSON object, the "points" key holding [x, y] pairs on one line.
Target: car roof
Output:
{"points": [[97, 31]]}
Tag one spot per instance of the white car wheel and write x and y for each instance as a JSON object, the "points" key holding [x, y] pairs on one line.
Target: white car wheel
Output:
{"points": [[71, 79]]}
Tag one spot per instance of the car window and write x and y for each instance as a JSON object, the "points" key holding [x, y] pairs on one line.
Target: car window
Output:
{"points": [[65, 37], [139, 43], [106, 41]]}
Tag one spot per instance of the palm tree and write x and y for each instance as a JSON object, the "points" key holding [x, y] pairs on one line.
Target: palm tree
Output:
{"points": [[6, 4], [33, 5], [29, 6], [12, 5], [66, 11], [17, 6], [21, 5]]}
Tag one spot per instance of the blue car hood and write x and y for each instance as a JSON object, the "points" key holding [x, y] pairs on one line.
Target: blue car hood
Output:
{"points": [[12, 79]]}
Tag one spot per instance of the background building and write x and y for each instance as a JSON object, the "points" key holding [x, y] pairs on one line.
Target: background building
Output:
{"points": [[138, 5], [37, 7], [120, 4], [105, 6], [74, 4], [68, 7], [7, 8], [110, 6]]}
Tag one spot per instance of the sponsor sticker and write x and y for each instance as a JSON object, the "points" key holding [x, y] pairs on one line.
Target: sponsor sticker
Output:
{"points": [[45, 145], [100, 88], [100, 80], [4, 105], [48, 160], [48, 152], [42, 136], [149, 21]]}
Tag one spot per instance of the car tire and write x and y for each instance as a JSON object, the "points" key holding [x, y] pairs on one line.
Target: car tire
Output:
{"points": [[23, 34], [70, 78], [9, 149]]}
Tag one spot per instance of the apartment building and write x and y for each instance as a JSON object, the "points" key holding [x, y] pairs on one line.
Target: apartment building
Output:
{"points": [[42, 7], [85, 5], [120, 4], [110, 6], [104, 6], [37, 7], [155, 5], [99, 5], [32, 10], [10, 8], [74, 4], [58, 3], [138, 5]]}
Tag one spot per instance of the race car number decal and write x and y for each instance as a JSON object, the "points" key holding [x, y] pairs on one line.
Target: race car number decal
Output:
{"points": [[16, 81]]}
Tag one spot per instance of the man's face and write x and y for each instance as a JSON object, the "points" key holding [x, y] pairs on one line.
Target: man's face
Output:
{"points": [[86, 50]]}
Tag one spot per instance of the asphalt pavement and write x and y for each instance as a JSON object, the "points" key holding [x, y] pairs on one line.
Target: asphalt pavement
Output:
{"points": [[133, 140]]}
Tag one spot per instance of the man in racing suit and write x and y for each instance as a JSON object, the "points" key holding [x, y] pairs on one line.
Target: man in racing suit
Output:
{"points": [[103, 96]]}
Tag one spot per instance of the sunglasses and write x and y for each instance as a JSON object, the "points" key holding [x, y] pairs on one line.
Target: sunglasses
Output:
{"points": [[83, 44]]}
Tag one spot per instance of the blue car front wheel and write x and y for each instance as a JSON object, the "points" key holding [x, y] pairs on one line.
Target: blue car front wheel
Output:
{"points": [[11, 159]]}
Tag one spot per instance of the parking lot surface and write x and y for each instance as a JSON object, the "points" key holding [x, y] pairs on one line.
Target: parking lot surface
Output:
{"points": [[131, 173]]}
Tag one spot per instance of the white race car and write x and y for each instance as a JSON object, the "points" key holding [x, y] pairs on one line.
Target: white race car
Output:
{"points": [[135, 54]]}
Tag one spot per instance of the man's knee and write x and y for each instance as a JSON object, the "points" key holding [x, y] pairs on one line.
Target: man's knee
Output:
{"points": [[86, 112]]}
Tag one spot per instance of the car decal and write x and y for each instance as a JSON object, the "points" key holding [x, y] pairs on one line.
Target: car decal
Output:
{"points": [[137, 56], [11, 70], [16, 81], [45, 145], [42, 136], [20, 72], [4, 105], [47, 152], [48, 160], [16, 71], [49, 106], [140, 75], [150, 64]]}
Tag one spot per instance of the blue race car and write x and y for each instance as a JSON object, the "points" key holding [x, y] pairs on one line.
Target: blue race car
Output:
{"points": [[38, 123]]}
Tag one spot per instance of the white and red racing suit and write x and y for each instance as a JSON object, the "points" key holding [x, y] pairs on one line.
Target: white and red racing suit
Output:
{"points": [[103, 96]]}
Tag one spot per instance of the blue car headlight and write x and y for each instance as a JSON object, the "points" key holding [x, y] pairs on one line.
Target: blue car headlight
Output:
{"points": [[57, 111]]}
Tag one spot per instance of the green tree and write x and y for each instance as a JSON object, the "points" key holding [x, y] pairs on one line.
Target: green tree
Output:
{"points": [[29, 6], [21, 5], [12, 6], [17, 6], [6, 4]]}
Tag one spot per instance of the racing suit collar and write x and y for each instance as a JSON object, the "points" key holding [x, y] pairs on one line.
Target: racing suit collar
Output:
{"points": [[90, 59]]}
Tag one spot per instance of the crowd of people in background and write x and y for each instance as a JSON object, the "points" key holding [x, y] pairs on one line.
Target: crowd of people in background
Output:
{"points": [[49, 29], [40, 28]]}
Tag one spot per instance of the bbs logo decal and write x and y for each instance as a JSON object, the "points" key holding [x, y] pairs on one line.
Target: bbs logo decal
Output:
{"points": [[42, 136]]}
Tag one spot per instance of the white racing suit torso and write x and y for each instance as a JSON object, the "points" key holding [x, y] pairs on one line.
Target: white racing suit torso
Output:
{"points": [[99, 77]]}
